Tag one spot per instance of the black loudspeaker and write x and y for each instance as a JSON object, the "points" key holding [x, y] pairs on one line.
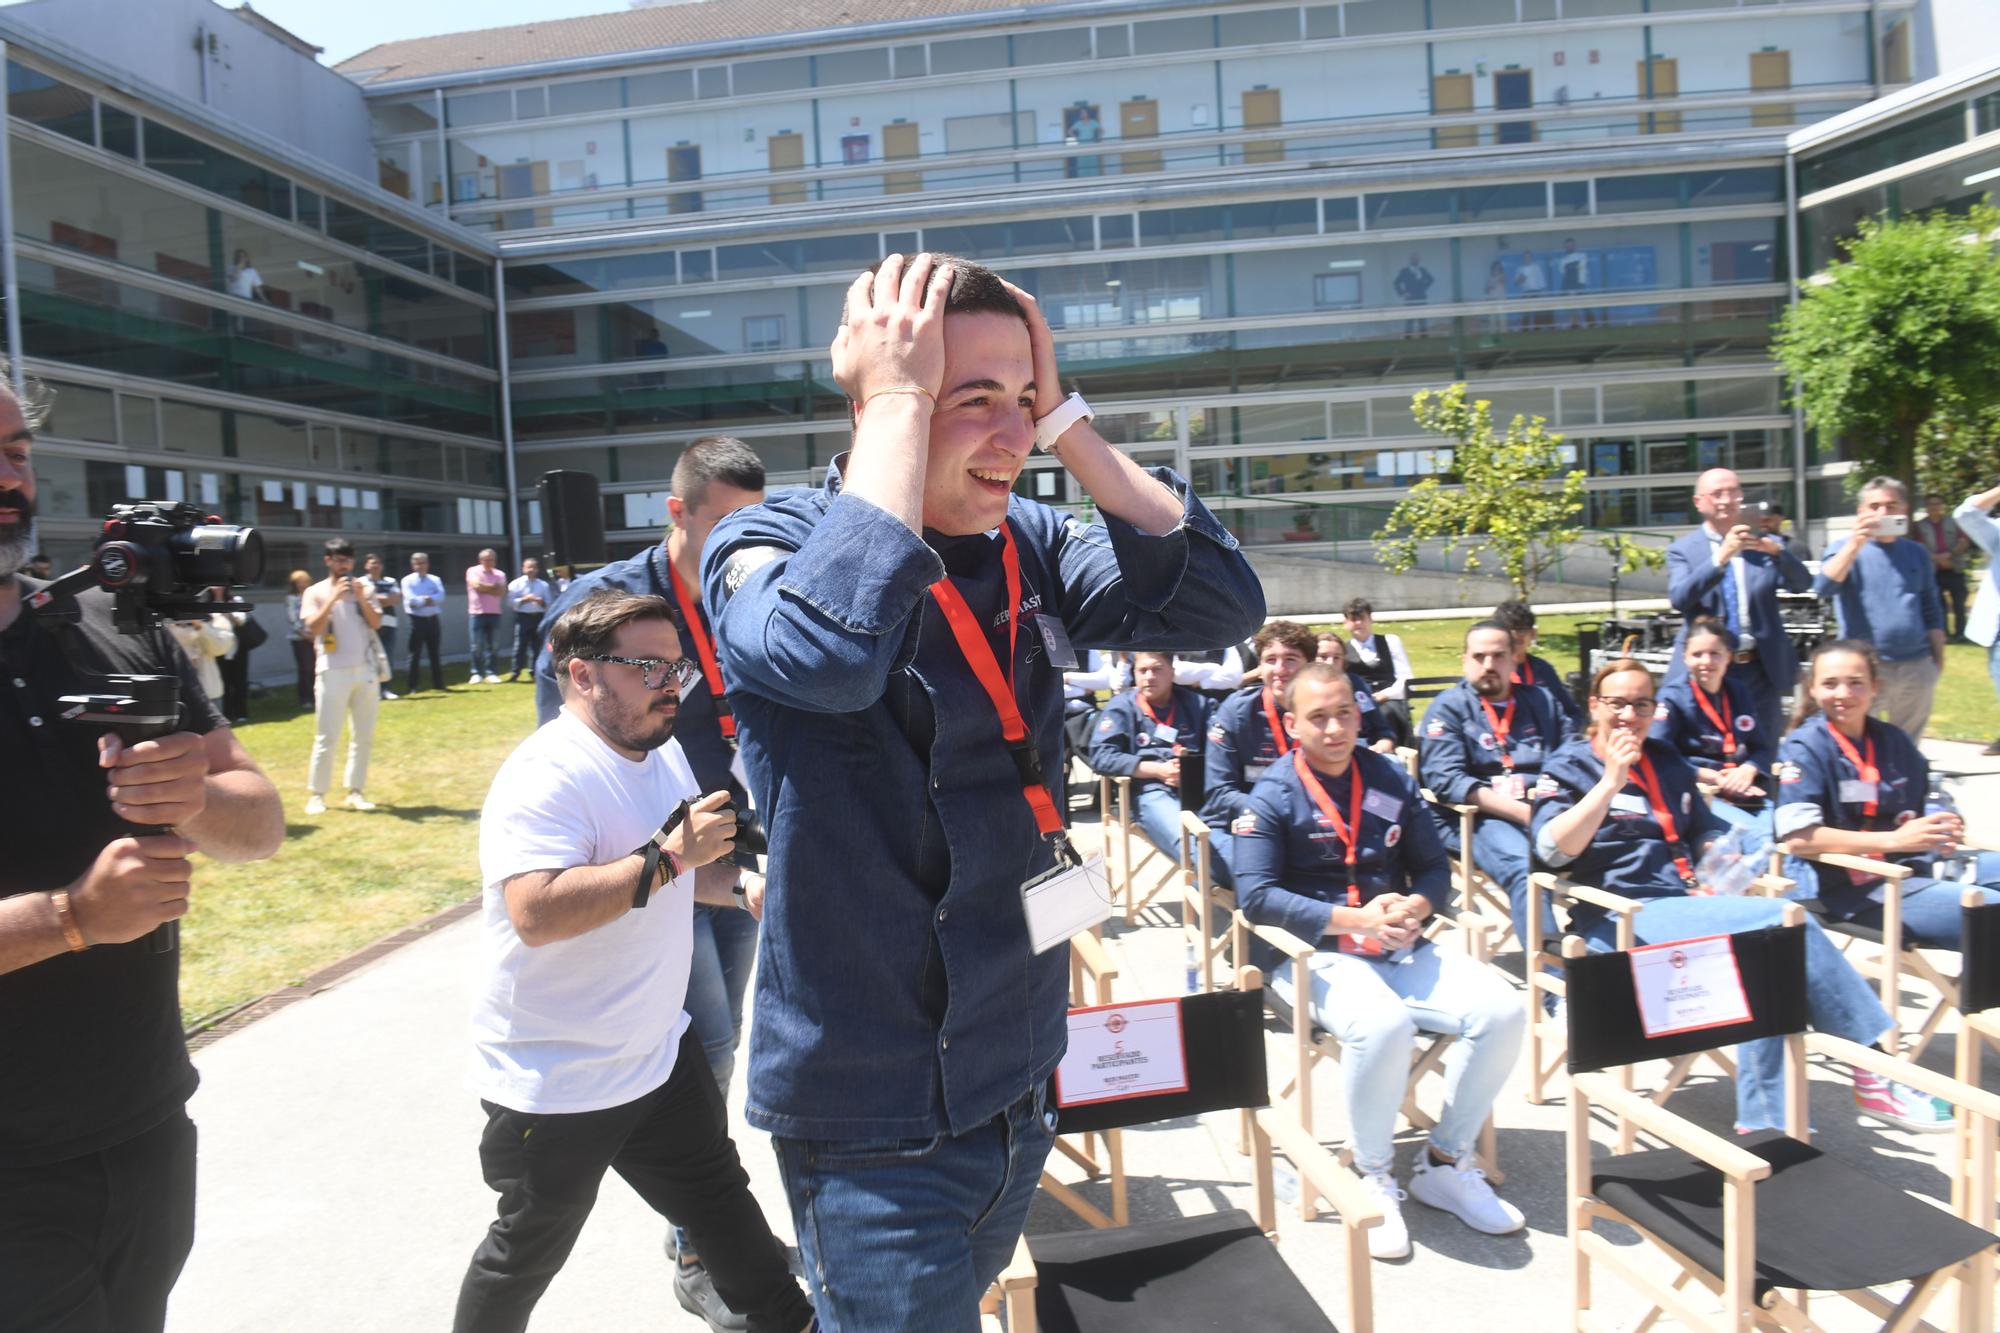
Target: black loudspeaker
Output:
{"points": [[572, 519]]}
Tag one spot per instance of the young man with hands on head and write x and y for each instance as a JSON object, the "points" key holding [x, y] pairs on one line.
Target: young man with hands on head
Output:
{"points": [[1336, 846], [894, 644], [593, 845], [97, 1154]]}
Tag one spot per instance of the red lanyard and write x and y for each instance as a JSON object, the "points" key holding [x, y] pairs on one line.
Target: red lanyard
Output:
{"points": [[1147, 708], [1277, 732], [1000, 689], [1520, 679], [1501, 730], [711, 671], [1351, 836], [1869, 773], [1649, 782], [1723, 722]]}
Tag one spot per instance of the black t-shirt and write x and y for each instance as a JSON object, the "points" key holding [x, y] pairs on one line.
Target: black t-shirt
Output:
{"points": [[91, 1051]]}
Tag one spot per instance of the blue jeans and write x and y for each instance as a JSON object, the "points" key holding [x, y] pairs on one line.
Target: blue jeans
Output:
{"points": [[527, 640], [1931, 908], [484, 628], [1500, 849], [1838, 1000], [1376, 1007], [1159, 810], [904, 1235]]}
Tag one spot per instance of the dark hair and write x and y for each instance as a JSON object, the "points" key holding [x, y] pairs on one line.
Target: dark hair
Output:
{"points": [[589, 627], [1290, 633], [35, 397], [1314, 671], [1151, 652], [374, 556], [1711, 625], [1773, 507], [1358, 606], [1861, 648], [1515, 615], [975, 289], [1489, 623], [714, 458], [339, 546]]}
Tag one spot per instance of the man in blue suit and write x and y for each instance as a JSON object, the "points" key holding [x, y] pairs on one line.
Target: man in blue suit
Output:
{"points": [[1726, 570]]}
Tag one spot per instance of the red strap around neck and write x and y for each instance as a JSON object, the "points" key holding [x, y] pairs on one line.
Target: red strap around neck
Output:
{"points": [[711, 670], [1278, 737]]}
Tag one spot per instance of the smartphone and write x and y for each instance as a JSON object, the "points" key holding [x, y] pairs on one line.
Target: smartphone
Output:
{"points": [[1894, 525]]}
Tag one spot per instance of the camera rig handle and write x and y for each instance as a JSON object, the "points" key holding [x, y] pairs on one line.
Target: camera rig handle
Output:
{"points": [[134, 709]]}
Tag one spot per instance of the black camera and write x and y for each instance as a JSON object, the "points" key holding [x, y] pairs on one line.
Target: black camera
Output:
{"points": [[159, 558]]}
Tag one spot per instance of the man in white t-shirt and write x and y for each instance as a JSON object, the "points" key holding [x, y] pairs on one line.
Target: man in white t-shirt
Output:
{"points": [[340, 618], [584, 1060]]}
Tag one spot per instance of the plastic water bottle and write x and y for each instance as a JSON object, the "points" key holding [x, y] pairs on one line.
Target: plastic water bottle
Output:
{"points": [[1938, 801], [1193, 968]]}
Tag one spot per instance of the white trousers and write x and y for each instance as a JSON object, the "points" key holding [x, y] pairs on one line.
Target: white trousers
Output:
{"points": [[343, 694]]}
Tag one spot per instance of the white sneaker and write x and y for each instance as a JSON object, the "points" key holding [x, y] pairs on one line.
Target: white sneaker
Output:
{"points": [[1461, 1189], [356, 801], [492, 678], [315, 805], [390, 694], [1391, 1239]]}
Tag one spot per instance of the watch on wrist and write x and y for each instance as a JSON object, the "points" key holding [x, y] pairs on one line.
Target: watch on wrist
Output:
{"points": [[1051, 427]]}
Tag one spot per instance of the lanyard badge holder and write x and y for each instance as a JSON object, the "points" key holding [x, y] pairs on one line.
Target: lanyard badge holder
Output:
{"points": [[1072, 896], [1365, 946]]}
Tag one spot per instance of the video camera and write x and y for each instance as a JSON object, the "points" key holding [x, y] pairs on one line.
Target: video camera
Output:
{"points": [[157, 558]]}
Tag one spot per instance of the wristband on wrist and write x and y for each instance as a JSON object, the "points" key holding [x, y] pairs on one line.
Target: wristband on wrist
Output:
{"points": [[648, 874], [912, 389], [66, 918], [1050, 428]]}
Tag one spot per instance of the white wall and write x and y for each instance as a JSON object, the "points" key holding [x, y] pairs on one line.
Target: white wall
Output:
{"points": [[1829, 48], [1951, 34]]}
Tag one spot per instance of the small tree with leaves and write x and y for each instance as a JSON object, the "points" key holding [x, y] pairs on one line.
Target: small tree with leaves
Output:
{"points": [[1517, 502], [1894, 347]]}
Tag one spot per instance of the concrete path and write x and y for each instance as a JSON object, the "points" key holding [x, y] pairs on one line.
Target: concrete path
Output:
{"points": [[340, 1186]]}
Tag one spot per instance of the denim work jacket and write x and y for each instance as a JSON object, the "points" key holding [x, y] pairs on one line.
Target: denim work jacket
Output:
{"points": [[897, 996]]}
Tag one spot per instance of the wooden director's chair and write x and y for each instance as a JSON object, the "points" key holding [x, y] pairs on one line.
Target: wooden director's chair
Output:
{"points": [[1761, 1220], [1210, 905], [1094, 965], [1214, 1271], [1477, 892], [1136, 877], [1979, 1023]]}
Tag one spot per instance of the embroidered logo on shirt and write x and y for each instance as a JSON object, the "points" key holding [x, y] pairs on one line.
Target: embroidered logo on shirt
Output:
{"points": [[1486, 741], [742, 564], [1244, 824], [1107, 725], [1790, 772], [1544, 787], [1393, 836], [1745, 722], [1216, 733], [1434, 729]]}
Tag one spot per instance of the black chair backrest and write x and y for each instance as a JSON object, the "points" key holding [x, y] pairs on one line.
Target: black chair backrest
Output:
{"points": [[1223, 1033], [1604, 1026], [1979, 978], [1194, 779]]}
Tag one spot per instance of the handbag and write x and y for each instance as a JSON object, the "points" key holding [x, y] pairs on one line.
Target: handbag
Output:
{"points": [[378, 657], [250, 635]]}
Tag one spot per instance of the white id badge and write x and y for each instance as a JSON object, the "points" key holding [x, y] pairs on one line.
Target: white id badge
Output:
{"points": [[1056, 639], [1164, 734], [1855, 791], [1511, 785], [1384, 805], [1627, 803], [1064, 901]]}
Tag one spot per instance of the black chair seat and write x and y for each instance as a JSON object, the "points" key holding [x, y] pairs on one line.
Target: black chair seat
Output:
{"points": [[1821, 1225], [1835, 926], [1188, 1273]]}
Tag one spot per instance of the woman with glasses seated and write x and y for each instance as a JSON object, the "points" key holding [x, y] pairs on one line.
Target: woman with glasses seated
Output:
{"points": [[1622, 812], [1849, 783], [1711, 722]]}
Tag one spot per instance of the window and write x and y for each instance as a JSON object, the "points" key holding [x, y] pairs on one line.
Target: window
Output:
{"points": [[119, 129], [189, 159], [1161, 36], [1637, 194], [478, 108], [866, 65], [566, 99], [910, 63], [1470, 13], [770, 76], [1572, 198], [1114, 42], [763, 333], [83, 413], [668, 85], [711, 81], [531, 103], [1052, 46], [1370, 16], [969, 55], [1411, 208], [1259, 27], [1498, 203], [1284, 217], [49, 103], [1115, 232], [1342, 214], [1339, 290]]}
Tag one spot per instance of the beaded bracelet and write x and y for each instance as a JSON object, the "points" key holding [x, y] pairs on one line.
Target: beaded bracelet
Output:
{"points": [[900, 388]]}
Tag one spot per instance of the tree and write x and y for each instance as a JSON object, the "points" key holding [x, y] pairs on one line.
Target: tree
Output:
{"points": [[1518, 502], [1894, 346]]}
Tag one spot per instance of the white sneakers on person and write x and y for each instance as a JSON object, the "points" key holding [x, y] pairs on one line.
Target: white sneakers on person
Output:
{"points": [[356, 801], [492, 678], [1461, 1190], [315, 804], [390, 694], [1391, 1239]]}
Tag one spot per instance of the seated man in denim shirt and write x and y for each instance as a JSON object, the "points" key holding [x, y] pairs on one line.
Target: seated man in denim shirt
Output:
{"points": [[1141, 734], [872, 633]]}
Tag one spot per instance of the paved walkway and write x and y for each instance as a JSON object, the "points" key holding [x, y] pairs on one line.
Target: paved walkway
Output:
{"points": [[340, 1185]]}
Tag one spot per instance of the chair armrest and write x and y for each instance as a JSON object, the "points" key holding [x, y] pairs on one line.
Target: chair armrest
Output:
{"points": [[1192, 825], [1335, 1182], [1019, 1274], [1564, 887], [1280, 939], [1772, 886], [1096, 955], [1867, 865], [1976, 1100], [1733, 1161]]}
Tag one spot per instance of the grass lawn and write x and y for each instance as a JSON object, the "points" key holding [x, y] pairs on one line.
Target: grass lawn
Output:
{"points": [[343, 880]]}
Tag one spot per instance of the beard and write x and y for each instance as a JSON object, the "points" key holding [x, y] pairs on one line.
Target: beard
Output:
{"points": [[632, 727], [1489, 687], [15, 551]]}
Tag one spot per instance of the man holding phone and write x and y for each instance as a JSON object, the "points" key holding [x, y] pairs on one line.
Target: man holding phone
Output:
{"points": [[340, 618], [1884, 590]]}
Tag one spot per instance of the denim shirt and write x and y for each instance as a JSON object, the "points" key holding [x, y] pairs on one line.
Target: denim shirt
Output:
{"points": [[897, 995]]}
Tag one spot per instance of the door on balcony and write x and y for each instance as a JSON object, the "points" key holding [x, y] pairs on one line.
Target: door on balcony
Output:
{"points": [[1769, 72], [787, 153], [684, 164], [900, 140], [1451, 94], [1263, 107], [1660, 77], [1139, 119], [1514, 90]]}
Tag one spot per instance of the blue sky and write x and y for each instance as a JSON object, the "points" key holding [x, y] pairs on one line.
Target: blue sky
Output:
{"points": [[349, 27]]}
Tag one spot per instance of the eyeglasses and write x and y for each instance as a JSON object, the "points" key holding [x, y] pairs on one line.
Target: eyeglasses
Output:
{"points": [[660, 672], [1636, 707]]}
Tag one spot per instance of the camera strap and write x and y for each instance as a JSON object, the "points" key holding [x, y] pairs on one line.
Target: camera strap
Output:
{"points": [[711, 670]]}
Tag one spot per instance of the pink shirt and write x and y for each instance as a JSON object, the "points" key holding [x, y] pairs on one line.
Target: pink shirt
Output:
{"points": [[483, 587]]}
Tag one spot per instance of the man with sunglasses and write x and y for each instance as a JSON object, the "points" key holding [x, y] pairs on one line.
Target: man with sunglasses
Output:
{"points": [[589, 848]]}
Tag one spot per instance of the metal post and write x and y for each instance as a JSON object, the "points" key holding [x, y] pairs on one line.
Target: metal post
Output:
{"points": [[507, 418], [1792, 299], [9, 275]]}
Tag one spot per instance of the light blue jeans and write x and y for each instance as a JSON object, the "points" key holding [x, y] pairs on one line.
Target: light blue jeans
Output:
{"points": [[1159, 810], [1931, 910], [1500, 850], [1375, 1008], [904, 1235], [1838, 1000]]}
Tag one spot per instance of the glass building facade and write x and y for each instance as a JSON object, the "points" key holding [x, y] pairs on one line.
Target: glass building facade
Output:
{"points": [[283, 348], [1256, 232]]}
